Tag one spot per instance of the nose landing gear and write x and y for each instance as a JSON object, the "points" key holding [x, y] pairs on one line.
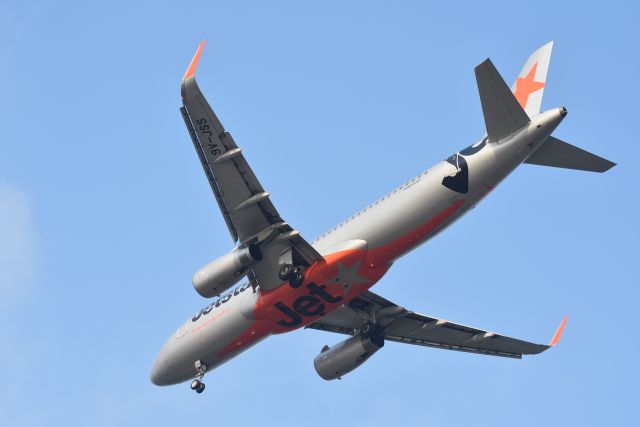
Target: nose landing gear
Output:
{"points": [[197, 383]]}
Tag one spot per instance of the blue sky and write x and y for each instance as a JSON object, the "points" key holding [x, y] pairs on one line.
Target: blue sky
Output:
{"points": [[105, 212]]}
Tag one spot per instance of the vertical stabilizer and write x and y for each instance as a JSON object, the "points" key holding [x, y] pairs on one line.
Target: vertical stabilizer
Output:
{"points": [[529, 86]]}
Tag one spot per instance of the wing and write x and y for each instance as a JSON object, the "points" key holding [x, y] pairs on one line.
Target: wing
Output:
{"points": [[246, 208], [407, 327]]}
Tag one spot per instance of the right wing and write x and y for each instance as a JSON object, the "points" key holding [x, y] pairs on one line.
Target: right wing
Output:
{"points": [[247, 210], [408, 327]]}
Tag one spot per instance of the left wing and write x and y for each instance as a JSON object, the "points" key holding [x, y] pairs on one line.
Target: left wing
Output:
{"points": [[408, 327], [246, 208]]}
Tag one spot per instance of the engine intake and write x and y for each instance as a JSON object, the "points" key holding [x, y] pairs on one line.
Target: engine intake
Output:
{"points": [[346, 356], [219, 275]]}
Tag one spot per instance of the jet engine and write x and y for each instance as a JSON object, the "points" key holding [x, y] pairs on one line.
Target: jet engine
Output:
{"points": [[219, 275], [346, 356]]}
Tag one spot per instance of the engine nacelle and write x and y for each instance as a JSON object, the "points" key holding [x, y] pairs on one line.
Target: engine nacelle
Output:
{"points": [[343, 358], [219, 275]]}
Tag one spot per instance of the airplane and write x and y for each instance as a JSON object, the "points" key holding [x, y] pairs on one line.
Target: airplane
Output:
{"points": [[325, 284]]}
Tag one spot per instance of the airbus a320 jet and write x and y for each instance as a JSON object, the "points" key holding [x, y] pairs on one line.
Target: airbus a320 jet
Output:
{"points": [[325, 284]]}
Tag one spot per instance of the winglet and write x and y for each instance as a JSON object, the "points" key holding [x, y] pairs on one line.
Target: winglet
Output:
{"points": [[194, 62], [558, 334]]}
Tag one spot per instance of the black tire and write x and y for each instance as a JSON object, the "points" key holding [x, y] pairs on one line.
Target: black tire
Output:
{"points": [[366, 330], [285, 272], [200, 388], [195, 384], [296, 279]]}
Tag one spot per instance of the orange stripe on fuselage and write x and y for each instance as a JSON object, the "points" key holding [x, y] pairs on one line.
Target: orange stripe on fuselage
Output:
{"points": [[258, 330], [319, 294], [386, 253], [317, 291]]}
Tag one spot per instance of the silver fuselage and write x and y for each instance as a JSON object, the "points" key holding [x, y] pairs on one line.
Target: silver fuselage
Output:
{"points": [[391, 226]]}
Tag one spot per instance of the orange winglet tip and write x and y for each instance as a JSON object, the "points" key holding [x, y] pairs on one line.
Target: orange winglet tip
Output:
{"points": [[194, 62], [556, 337]]}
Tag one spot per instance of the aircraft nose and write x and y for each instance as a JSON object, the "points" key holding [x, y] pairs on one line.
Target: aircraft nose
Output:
{"points": [[160, 370], [163, 372], [563, 111]]}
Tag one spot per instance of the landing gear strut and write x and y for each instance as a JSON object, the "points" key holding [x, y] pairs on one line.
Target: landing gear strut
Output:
{"points": [[295, 275], [197, 383]]}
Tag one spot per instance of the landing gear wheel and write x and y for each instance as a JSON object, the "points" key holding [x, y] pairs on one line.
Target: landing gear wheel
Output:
{"points": [[366, 330], [197, 383], [285, 272], [296, 278]]}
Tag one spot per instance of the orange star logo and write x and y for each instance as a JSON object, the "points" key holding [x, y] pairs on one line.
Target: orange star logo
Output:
{"points": [[525, 86]]}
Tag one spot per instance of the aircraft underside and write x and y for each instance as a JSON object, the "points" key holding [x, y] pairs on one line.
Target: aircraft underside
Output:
{"points": [[325, 284]]}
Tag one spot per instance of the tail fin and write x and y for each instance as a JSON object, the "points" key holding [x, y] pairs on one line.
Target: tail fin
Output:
{"points": [[559, 154], [503, 115], [529, 86], [528, 90]]}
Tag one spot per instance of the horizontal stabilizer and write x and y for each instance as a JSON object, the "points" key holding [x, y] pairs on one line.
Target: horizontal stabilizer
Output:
{"points": [[503, 115], [560, 154]]}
